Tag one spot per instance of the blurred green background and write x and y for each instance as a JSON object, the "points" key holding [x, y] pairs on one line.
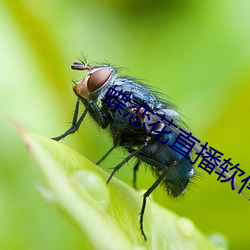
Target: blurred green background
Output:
{"points": [[195, 52]]}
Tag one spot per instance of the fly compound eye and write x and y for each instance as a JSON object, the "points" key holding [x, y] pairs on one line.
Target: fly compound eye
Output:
{"points": [[97, 79]]}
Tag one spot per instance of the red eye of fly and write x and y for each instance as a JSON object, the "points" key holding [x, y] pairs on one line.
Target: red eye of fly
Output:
{"points": [[97, 79]]}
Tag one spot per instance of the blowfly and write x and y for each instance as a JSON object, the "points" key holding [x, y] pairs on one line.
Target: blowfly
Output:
{"points": [[148, 127]]}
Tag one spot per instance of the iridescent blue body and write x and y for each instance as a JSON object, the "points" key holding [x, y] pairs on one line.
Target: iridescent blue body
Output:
{"points": [[159, 156], [173, 170]]}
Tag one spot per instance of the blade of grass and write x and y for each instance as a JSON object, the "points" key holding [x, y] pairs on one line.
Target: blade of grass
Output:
{"points": [[107, 216]]}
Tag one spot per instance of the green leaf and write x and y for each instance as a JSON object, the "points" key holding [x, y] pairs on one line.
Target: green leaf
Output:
{"points": [[107, 215]]}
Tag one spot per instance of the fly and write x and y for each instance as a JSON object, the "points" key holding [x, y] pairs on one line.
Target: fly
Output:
{"points": [[143, 124]]}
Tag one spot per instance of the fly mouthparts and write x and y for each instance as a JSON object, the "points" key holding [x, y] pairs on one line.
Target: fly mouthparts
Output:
{"points": [[79, 66]]}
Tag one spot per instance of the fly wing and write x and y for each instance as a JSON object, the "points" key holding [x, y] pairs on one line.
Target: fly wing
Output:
{"points": [[174, 116], [235, 181]]}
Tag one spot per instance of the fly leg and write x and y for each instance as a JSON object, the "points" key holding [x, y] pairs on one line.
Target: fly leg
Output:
{"points": [[93, 109], [97, 114], [75, 124], [105, 155], [145, 196], [136, 167], [124, 161]]}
